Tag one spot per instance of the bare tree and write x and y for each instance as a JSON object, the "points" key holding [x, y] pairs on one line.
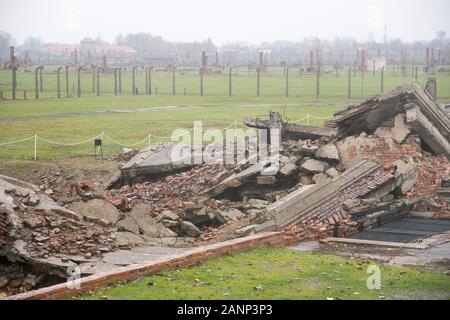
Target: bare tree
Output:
{"points": [[441, 36], [6, 40]]}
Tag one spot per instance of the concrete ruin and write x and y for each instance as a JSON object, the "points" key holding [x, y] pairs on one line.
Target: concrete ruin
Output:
{"points": [[423, 116], [371, 164]]}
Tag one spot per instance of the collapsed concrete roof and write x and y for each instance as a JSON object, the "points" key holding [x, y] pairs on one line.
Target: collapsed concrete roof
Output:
{"points": [[430, 121], [292, 130], [324, 201]]}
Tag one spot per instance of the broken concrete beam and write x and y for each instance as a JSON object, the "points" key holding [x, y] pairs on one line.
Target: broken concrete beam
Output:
{"points": [[308, 132], [320, 201], [293, 131], [406, 176], [156, 159], [426, 130], [236, 180], [274, 121]]}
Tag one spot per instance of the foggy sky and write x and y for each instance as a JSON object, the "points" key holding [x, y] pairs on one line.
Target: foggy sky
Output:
{"points": [[251, 21]]}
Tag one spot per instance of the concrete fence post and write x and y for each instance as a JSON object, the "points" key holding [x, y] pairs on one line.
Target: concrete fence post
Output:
{"points": [[99, 69], [146, 80], [318, 80], [14, 82], [133, 80], [79, 81], [41, 86], [258, 82], [230, 85], [286, 93], [150, 86], [58, 82], [36, 82], [115, 81], [67, 81], [201, 81], [35, 148], [93, 78], [173, 80], [349, 89], [120, 80]]}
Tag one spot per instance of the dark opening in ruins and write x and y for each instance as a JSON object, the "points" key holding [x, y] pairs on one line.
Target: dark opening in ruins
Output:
{"points": [[405, 230], [16, 277]]}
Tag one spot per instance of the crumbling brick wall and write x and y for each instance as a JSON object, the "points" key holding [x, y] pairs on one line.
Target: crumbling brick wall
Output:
{"points": [[5, 227], [382, 150], [432, 171]]}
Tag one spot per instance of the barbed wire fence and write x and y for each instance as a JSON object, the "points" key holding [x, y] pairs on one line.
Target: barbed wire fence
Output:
{"points": [[270, 84]]}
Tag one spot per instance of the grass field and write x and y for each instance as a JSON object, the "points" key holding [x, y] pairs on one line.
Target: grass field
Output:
{"points": [[129, 119], [281, 274]]}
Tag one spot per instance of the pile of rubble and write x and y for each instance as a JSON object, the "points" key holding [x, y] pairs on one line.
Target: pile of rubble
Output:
{"points": [[370, 164]]}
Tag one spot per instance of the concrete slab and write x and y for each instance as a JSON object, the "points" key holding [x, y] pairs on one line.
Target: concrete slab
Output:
{"points": [[140, 255], [158, 158], [306, 246], [376, 243]]}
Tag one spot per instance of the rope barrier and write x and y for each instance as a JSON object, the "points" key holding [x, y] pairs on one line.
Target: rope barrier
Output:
{"points": [[319, 118], [299, 120], [146, 139], [69, 144], [18, 141]]}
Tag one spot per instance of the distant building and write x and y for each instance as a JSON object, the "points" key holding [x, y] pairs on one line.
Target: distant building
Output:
{"points": [[88, 47], [380, 62]]}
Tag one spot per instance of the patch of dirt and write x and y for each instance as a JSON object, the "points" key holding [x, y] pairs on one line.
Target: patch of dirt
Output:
{"points": [[58, 174], [422, 295], [349, 250]]}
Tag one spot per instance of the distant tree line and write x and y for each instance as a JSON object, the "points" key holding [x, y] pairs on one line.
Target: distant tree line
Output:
{"points": [[150, 47]]}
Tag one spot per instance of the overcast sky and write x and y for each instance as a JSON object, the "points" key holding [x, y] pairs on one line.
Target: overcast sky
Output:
{"points": [[224, 21]]}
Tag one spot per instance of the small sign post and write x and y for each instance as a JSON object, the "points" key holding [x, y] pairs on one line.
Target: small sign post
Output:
{"points": [[98, 148]]}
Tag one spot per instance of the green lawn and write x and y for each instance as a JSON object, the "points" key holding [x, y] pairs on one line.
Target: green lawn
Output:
{"points": [[274, 273], [70, 120]]}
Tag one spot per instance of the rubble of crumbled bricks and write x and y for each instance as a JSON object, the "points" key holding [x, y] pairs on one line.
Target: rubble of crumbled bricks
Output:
{"points": [[50, 233], [176, 192], [433, 170], [5, 227], [47, 232]]}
